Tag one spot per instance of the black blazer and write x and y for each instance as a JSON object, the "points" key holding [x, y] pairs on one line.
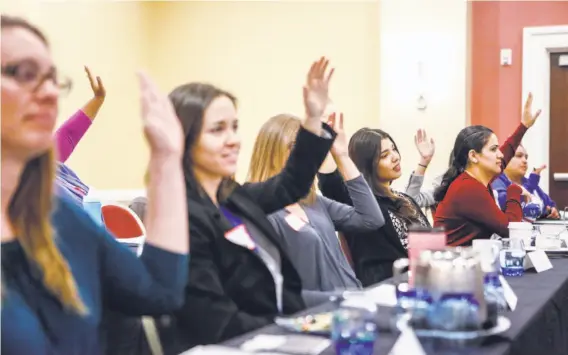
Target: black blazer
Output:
{"points": [[230, 290], [373, 253]]}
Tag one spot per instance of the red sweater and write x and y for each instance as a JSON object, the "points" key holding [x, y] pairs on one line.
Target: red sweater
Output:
{"points": [[469, 211]]}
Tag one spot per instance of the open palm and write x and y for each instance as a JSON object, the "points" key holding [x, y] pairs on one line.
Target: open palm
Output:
{"points": [[161, 126], [426, 147], [316, 90]]}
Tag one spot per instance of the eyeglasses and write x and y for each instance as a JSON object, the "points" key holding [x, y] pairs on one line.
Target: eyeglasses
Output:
{"points": [[28, 74]]}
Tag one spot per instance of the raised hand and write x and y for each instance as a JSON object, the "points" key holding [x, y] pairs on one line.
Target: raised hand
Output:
{"points": [[340, 145], [539, 169], [426, 147], [161, 126], [316, 90], [529, 118], [97, 86]]}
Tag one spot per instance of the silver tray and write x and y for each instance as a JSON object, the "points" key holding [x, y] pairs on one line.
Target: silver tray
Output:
{"points": [[503, 324]]}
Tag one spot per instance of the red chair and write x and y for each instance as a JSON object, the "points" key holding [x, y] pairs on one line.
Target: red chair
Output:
{"points": [[124, 225]]}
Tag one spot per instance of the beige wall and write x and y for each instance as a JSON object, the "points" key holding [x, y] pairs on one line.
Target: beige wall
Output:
{"points": [[110, 38], [414, 32], [260, 51]]}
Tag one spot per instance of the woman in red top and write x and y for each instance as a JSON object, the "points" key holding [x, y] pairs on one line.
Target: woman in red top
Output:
{"points": [[467, 209]]}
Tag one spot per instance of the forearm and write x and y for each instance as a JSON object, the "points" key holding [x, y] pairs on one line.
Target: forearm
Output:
{"points": [[328, 166], [70, 133], [347, 168], [313, 125], [92, 107], [421, 167], [167, 216]]}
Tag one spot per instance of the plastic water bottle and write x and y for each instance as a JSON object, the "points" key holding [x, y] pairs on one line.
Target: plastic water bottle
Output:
{"points": [[512, 257], [494, 297], [354, 328]]}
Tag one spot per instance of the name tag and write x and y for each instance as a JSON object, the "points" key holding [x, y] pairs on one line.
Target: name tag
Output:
{"points": [[539, 260], [240, 236], [295, 222]]}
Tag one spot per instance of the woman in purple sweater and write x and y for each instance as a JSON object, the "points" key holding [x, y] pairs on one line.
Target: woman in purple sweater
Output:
{"points": [[68, 136], [540, 204]]}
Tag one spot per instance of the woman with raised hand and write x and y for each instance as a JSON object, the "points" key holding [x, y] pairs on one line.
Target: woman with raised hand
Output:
{"points": [[540, 204], [467, 208], [70, 133], [306, 229], [59, 269], [376, 156], [241, 278]]}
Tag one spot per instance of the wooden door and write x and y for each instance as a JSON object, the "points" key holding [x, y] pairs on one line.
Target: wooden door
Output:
{"points": [[559, 129]]}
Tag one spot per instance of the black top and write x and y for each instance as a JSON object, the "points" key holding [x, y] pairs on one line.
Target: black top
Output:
{"points": [[231, 290], [373, 253]]}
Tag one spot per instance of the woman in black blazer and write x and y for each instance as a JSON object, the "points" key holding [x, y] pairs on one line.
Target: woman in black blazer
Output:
{"points": [[373, 253], [240, 278]]}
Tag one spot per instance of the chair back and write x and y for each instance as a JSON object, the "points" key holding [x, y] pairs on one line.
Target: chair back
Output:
{"points": [[124, 225]]}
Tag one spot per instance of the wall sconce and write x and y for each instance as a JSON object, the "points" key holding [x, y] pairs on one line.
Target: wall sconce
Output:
{"points": [[421, 103]]}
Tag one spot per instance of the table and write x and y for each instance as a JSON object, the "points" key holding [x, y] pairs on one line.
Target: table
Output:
{"points": [[539, 323]]}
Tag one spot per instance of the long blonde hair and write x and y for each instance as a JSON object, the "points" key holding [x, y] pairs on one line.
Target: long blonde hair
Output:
{"points": [[272, 148], [29, 213]]}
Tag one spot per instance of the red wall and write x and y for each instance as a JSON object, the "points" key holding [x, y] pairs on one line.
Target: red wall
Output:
{"points": [[495, 90]]}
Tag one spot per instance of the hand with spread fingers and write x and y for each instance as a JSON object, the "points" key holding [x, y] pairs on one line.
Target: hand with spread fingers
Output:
{"points": [[426, 147], [316, 94]]}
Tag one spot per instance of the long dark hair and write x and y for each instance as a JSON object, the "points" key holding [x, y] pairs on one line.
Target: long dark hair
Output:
{"points": [[365, 151], [469, 138], [190, 102]]}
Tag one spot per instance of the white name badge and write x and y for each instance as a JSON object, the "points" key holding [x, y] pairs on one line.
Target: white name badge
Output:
{"points": [[295, 222], [240, 236]]}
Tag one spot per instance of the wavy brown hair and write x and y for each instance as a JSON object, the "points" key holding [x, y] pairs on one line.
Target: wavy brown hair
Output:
{"points": [[30, 210], [272, 148]]}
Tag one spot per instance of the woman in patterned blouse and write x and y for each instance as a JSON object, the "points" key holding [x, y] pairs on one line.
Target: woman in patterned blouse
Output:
{"points": [[377, 157]]}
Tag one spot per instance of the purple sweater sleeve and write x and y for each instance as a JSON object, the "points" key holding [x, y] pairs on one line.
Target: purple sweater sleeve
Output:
{"points": [[70, 133]]}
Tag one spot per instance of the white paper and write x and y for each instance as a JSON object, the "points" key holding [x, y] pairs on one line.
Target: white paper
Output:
{"points": [[263, 342], [539, 260], [214, 350], [509, 294], [407, 344], [383, 295]]}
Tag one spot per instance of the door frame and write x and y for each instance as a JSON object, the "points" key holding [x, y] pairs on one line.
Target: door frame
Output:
{"points": [[538, 43]]}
